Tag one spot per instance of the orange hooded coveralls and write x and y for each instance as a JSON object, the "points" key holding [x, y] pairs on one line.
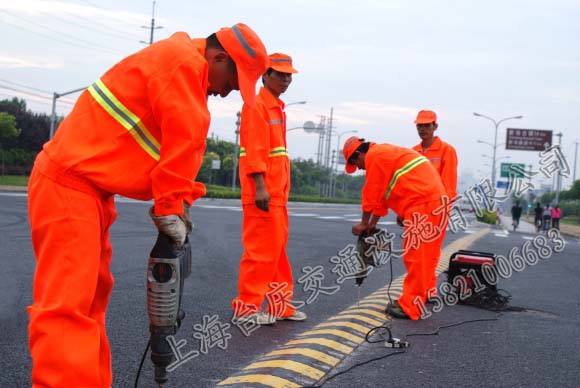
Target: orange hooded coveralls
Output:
{"points": [[400, 179], [264, 234], [139, 131], [444, 158]]}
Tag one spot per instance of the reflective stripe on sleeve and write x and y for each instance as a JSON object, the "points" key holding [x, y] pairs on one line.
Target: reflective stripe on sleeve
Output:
{"points": [[126, 118]]}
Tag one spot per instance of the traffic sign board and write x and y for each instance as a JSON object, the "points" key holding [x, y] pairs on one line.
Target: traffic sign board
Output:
{"points": [[528, 139], [517, 170]]}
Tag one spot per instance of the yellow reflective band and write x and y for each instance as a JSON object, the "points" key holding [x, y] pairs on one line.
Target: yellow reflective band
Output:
{"points": [[402, 171], [279, 151], [126, 118]]}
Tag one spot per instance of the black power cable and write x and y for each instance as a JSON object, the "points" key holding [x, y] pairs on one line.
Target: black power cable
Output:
{"points": [[141, 364], [500, 303], [354, 366]]}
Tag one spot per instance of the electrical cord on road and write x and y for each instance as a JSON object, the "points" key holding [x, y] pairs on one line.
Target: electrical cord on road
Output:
{"points": [[436, 332], [141, 364], [500, 301], [353, 367], [395, 342]]}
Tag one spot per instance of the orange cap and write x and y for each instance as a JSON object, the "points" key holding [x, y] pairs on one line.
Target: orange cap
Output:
{"points": [[282, 63], [249, 54], [426, 117], [350, 145]]}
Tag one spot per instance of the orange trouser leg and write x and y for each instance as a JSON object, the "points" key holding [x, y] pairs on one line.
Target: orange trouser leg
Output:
{"points": [[264, 261], [433, 263], [283, 274], [72, 284], [418, 262]]}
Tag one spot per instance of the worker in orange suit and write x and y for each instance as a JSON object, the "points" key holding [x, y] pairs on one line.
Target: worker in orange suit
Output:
{"points": [[444, 158], [404, 181], [265, 272], [139, 131]]}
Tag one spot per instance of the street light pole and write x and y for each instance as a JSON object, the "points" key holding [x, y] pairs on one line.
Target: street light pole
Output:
{"points": [[495, 145], [295, 103], [236, 149], [558, 176], [339, 135], [55, 96], [575, 157]]}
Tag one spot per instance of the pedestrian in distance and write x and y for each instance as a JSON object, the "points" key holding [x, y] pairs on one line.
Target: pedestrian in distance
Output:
{"points": [[538, 217], [443, 157], [556, 214], [547, 216], [265, 274], [401, 179], [516, 212], [139, 131]]}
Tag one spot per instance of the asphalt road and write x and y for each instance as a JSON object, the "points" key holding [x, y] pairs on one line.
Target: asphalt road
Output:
{"points": [[533, 348]]}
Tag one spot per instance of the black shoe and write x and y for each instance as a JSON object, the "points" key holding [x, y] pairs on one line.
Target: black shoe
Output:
{"points": [[395, 311]]}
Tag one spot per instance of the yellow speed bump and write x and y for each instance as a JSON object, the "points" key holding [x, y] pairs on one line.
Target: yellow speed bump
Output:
{"points": [[314, 354], [324, 342], [267, 380], [338, 333], [290, 365], [346, 315]]}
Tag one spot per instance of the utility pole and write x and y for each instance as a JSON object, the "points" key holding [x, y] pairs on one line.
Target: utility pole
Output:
{"points": [[328, 139], [151, 27], [529, 189], [332, 174], [321, 133], [236, 149], [558, 175], [575, 157]]}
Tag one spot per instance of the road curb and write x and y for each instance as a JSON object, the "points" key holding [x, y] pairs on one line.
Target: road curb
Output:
{"points": [[12, 189], [313, 354]]}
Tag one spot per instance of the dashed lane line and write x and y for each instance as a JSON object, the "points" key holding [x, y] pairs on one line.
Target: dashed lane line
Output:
{"points": [[313, 354]]}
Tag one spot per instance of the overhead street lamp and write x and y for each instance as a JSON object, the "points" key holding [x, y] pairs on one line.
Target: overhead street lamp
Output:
{"points": [[495, 145], [56, 96], [295, 103]]}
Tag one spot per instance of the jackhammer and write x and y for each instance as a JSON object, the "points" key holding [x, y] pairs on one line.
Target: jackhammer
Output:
{"points": [[169, 265]]}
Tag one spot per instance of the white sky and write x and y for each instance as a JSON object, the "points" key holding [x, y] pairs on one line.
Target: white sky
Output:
{"points": [[376, 62]]}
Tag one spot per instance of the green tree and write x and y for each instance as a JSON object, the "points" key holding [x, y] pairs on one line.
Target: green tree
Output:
{"points": [[8, 125], [573, 193], [22, 149]]}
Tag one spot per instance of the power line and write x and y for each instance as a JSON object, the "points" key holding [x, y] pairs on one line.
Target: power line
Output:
{"points": [[87, 27], [95, 22], [24, 86], [91, 4], [65, 35], [36, 89], [32, 94], [45, 35], [30, 99]]}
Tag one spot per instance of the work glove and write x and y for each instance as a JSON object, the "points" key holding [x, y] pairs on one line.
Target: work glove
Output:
{"points": [[175, 226]]}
